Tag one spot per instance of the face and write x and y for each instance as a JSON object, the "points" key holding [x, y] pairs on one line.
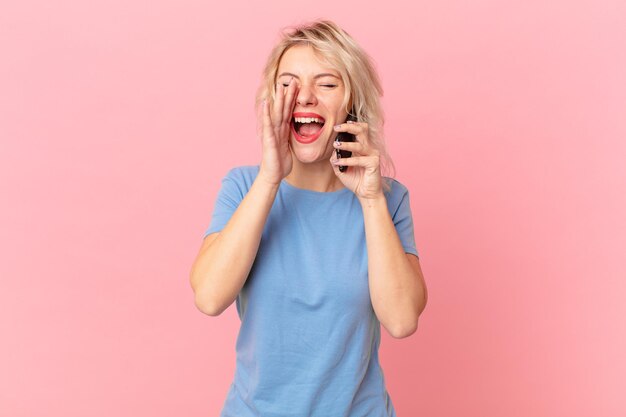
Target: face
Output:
{"points": [[320, 92]]}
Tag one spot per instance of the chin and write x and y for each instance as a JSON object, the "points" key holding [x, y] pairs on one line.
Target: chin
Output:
{"points": [[309, 153]]}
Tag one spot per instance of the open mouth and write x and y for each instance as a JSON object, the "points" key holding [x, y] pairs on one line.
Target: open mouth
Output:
{"points": [[307, 129]]}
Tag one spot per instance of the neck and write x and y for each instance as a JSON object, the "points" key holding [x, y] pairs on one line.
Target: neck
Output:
{"points": [[316, 176]]}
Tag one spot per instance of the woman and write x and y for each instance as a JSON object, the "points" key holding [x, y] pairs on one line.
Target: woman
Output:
{"points": [[315, 257]]}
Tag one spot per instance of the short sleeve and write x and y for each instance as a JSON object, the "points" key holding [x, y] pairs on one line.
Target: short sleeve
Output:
{"points": [[403, 220], [227, 201]]}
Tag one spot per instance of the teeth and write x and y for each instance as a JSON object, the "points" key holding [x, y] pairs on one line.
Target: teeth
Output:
{"points": [[308, 120]]}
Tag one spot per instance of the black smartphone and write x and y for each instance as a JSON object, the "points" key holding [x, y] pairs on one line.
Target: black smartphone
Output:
{"points": [[345, 137]]}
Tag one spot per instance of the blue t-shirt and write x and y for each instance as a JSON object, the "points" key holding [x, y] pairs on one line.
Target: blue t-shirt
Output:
{"points": [[309, 337]]}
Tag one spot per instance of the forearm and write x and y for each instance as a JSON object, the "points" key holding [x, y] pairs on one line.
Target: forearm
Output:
{"points": [[397, 294], [222, 268]]}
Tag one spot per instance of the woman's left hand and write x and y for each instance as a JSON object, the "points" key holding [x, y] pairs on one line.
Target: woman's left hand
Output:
{"points": [[363, 176]]}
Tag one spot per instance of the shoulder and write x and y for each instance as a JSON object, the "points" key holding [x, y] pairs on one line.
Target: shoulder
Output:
{"points": [[397, 190], [397, 195], [243, 175], [243, 171]]}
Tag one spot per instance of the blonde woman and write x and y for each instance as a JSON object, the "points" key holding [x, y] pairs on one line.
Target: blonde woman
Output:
{"points": [[316, 258]]}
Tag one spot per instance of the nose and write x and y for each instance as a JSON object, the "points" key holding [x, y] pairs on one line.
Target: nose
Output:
{"points": [[305, 96]]}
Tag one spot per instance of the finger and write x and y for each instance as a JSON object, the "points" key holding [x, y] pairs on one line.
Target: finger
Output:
{"points": [[360, 132], [277, 110], [267, 120], [289, 101], [364, 161], [353, 128], [351, 146], [336, 163]]}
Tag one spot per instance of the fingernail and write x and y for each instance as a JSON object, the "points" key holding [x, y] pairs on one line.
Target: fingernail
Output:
{"points": [[337, 127], [337, 143]]}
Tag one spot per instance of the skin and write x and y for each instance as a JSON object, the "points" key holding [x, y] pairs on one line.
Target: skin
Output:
{"points": [[397, 289], [303, 165]]}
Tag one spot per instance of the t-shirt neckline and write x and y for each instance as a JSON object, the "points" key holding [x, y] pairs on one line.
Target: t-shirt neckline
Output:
{"points": [[313, 192]]}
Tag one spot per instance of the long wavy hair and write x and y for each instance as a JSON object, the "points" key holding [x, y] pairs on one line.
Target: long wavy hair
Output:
{"points": [[342, 53]]}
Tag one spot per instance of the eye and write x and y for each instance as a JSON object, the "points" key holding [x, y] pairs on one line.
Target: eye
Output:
{"points": [[322, 85], [285, 85]]}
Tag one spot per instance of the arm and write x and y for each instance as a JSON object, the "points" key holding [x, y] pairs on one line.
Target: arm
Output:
{"points": [[396, 282], [223, 264]]}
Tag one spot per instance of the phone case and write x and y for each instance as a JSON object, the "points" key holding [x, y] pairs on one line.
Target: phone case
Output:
{"points": [[345, 137]]}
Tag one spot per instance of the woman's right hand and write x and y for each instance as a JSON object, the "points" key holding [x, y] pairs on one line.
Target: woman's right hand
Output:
{"points": [[277, 159]]}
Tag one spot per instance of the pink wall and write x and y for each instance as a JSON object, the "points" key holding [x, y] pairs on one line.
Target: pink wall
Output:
{"points": [[507, 123]]}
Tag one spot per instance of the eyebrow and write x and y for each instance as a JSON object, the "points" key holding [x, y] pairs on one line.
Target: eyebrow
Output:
{"points": [[324, 74]]}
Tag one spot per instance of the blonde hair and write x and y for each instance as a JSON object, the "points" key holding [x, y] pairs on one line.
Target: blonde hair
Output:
{"points": [[362, 83]]}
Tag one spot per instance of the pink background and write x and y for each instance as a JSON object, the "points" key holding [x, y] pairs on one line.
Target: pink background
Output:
{"points": [[506, 121]]}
